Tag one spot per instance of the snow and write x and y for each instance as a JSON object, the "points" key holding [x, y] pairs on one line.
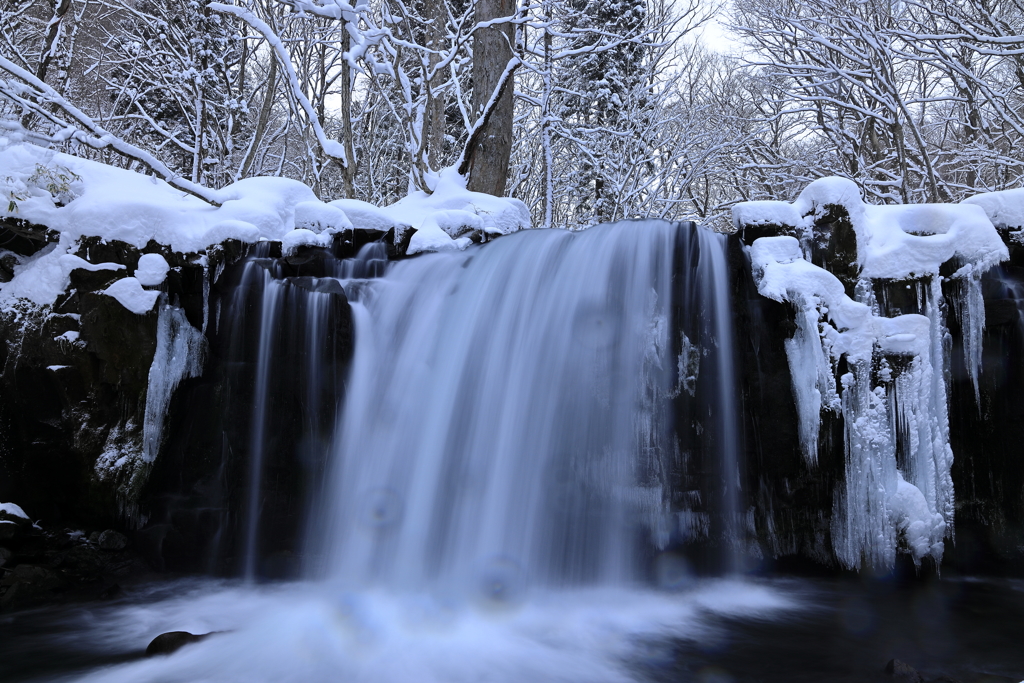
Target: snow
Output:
{"points": [[319, 217], [910, 241], [765, 213], [898, 242], [369, 217], [430, 236], [442, 215], [922, 528], [152, 270], [1005, 209], [116, 204], [13, 510], [304, 238], [102, 201], [130, 294], [70, 262]]}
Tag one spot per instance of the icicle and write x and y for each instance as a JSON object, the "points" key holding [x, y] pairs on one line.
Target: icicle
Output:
{"points": [[969, 306], [861, 526], [180, 352], [813, 381]]}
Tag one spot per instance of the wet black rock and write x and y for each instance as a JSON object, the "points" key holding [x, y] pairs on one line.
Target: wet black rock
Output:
{"points": [[172, 641], [112, 540], [28, 582], [901, 672]]}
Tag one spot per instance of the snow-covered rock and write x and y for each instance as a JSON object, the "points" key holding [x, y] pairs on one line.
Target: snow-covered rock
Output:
{"points": [[893, 241], [302, 237], [879, 503], [13, 513], [452, 211], [130, 294]]}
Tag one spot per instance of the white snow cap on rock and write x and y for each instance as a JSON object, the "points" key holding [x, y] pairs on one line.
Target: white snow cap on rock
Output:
{"points": [[116, 204], [443, 215], [13, 510], [130, 294], [152, 270], [1005, 209], [304, 238], [893, 241]]}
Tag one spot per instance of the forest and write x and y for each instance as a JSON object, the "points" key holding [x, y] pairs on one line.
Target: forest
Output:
{"points": [[586, 110]]}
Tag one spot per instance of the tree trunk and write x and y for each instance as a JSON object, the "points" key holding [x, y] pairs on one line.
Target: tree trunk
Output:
{"points": [[435, 120], [348, 171], [492, 50]]}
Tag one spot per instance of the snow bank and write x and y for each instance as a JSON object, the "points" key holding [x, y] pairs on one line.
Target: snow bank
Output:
{"points": [[765, 213], [897, 242], [81, 198], [370, 217], [1005, 209]]}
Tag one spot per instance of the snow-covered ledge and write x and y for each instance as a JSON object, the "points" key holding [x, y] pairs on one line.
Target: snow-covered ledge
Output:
{"points": [[881, 506]]}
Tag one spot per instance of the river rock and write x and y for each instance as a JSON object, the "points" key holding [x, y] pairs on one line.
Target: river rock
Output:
{"points": [[112, 540], [28, 583], [9, 531], [172, 641], [900, 671]]}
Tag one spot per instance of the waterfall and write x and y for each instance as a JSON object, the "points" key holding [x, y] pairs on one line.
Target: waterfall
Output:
{"points": [[508, 419], [284, 354], [502, 500]]}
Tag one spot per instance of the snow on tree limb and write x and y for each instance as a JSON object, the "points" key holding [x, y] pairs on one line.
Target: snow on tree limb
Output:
{"points": [[331, 148], [86, 131]]}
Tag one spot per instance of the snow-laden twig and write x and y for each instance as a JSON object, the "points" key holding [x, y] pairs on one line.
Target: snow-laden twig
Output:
{"points": [[86, 131], [331, 148]]}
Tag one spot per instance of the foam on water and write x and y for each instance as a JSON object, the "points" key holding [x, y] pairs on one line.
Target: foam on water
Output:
{"points": [[320, 632]]}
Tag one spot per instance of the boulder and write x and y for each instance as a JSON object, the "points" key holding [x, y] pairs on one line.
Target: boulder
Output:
{"points": [[28, 583], [898, 670], [112, 540]]}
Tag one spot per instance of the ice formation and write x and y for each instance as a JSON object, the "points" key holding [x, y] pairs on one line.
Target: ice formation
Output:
{"points": [[180, 352], [892, 394]]}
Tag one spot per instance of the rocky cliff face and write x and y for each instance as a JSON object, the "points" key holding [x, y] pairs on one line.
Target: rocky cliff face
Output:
{"points": [[75, 380]]}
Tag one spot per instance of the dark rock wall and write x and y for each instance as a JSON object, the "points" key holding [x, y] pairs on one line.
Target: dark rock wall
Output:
{"points": [[988, 439], [61, 396], [792, 500]]}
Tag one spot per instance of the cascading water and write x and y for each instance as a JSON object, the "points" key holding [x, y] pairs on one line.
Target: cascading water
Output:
{"points": [[506, 416], [286, 336]]}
